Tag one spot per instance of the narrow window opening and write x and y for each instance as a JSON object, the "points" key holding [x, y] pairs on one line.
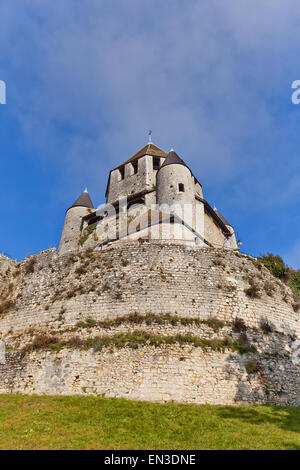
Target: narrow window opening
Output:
{"points": [[135, 167], [122, 172], [156, 163], [181, 188]]}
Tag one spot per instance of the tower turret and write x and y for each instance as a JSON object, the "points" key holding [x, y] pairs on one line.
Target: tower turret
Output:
{"points": [[175, 184], [73, 223], [176, 189]]}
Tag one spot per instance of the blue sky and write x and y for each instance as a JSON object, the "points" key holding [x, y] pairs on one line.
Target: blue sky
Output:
{"points": [[86, 80]]}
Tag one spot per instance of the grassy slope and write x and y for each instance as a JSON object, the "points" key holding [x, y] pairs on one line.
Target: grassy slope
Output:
{"points": [[101, 423]]}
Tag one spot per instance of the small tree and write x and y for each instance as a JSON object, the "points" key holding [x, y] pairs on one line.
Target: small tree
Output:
{"points": [[275, 264], [294, 282]]}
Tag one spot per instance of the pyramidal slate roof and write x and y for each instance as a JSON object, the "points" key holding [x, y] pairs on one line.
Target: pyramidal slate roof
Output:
{"points": [[149, 149], [172, 159], [84, 200]]}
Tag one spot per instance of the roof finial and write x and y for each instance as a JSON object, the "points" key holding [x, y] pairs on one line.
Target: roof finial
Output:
{"points": [[150, 137]]}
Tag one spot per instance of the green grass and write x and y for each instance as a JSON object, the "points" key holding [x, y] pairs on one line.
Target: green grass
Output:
{"points": [[40, 422]]}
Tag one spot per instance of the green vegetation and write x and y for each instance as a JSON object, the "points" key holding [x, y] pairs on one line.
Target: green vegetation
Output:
{"points": [[41, 422], [150, 319], [266, 327], [6, 305], [294, 282], [276, 265], [253, 291], [138, 338], [252, 367], [239, 325], [29, 266], [269, 288], [86, 233]]}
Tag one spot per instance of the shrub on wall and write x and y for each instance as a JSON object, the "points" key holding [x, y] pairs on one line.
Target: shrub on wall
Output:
{"points": [[269, 288], [239, 324], [252, 367], [86, 233], [252, 291], [265, 327], [29, 266], [294, 282], [6, 305], [275, 264]]}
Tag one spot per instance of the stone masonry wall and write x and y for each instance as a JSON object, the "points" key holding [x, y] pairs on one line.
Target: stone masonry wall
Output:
{"points": [[62, 304], [132, 183], [212, 233]]}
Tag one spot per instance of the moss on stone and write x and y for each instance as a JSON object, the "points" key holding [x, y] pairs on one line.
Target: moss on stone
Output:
{"points": [[86, 233]]}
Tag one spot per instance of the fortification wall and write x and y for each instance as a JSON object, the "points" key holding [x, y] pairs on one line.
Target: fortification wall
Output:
{"points": [[5, 264], [212, 232], [7, 267], [183, 374], [151, 321], [133, 277]]}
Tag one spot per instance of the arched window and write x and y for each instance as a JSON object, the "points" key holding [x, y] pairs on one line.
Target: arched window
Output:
{"points": [[181, 187]]}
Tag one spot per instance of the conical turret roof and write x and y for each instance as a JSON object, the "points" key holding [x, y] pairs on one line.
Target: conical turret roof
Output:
{"points": [[84, 200], [172, 159]]}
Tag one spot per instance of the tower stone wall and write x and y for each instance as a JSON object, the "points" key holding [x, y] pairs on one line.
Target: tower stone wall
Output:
{"points": [[132, 183], [169, 178], [72, 228], [176, 189]]}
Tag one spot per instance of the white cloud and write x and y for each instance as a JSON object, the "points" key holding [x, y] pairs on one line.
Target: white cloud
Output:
{"points": [[198, 73]]}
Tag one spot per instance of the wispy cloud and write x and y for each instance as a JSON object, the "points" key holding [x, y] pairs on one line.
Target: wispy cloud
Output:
{"points": [[211, 78], [194, 71]]}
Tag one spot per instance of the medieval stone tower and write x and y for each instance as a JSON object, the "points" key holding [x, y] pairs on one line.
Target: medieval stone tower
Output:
{"points": [[73, 222], [160, 198], [177, 190]]}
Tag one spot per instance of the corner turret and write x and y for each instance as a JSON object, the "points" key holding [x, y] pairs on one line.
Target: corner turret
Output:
{"points": [[175, 185], [73, 223]]}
